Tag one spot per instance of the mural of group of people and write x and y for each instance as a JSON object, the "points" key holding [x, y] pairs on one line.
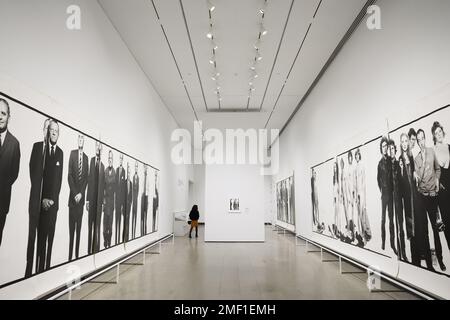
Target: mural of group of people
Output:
{"points": [[350, 222], [286, 201], [234, 205], [399, 195], [67, 195]]}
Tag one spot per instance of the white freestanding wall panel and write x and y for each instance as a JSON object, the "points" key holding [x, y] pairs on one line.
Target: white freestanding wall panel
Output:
{"points": [[225, 182]]}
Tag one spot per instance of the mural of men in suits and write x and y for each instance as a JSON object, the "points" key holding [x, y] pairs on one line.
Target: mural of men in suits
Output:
{"points": [[121, 195], [128, 203], [51, 187], [144, 205], [77, 178], [155, 203], [94, 204], [9, 163], [135, 200], [110, 190], [36, 166]]}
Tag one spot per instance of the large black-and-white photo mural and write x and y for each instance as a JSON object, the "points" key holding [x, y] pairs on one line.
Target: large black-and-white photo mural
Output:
{"points": [[391, 195], [285, 194], [65, 195]]}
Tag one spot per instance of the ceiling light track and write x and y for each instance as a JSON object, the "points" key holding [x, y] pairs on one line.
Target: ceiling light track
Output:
{"points": [[276, 55], [193, 54], [292, 65], [212, 60], [174, 59], [139, 63], [288, 75], [358, 20], [257, 47]]}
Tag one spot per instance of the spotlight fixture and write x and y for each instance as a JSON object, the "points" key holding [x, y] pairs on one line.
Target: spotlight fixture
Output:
{"points": [[263, 8], [212, 60], [210, 34], [263, 30], [257, 44], [211, 7]]}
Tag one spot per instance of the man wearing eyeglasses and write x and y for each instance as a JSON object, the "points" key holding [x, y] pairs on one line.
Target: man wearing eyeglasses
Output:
{"points": [[9, 163]]}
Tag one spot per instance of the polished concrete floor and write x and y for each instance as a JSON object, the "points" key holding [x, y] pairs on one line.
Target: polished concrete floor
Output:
{"points": [[191, 269]]}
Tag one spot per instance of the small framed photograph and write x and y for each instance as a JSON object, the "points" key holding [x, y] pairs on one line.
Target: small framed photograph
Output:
{"points": [[233, 206]]}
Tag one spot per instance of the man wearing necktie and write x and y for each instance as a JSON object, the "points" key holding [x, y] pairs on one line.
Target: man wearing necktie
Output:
{"points": [[95, 194], [51, 187], [78, 178], [36, 166], [128, 203], [110, 190], [9, 163], [144, 205], [135, 200], [121, 194]]}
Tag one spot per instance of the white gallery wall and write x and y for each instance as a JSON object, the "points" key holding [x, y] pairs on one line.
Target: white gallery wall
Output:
{"points": [[398, 73], [88, 79], [199, 190], [270, 207], [225, 182]]}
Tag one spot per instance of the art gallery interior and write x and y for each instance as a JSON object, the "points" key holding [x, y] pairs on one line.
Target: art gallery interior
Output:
{"points": [[309, 133]]}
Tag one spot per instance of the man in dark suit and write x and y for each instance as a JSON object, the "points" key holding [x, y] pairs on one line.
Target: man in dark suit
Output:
{"points": [[127, 209], [110, 190], [51, 187], [78, 178], [95, 193], [144, 205], [292, 201], [9, 163], [121, 195], [385, 184], [36, 166], [135, 200], [155, 202], [285, 201]]}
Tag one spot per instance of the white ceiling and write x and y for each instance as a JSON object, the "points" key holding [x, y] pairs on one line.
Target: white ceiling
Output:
{"points": [[181, 73]]}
